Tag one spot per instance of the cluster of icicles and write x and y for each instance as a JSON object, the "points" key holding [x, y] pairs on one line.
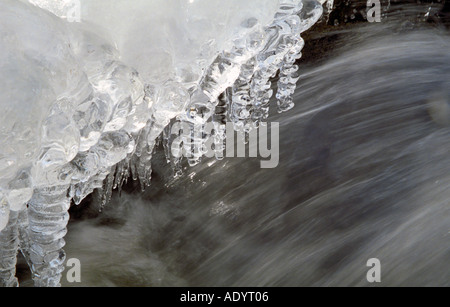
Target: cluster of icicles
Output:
{"points": [[121, 119]]}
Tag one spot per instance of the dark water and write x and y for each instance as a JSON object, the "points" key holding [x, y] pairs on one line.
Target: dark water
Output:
{"points": [[364, 173]]}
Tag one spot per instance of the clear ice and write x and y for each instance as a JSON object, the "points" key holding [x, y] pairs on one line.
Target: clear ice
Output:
{"points": [[84, 102]]}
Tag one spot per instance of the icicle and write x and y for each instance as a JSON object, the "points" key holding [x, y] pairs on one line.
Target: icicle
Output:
{"points": [[289, 75], [144, 167], [118, 174], [166, 143], [173, 153], [197, 144], [171, 100], [269, 63], [80, 190], [108, 188], [122, 173], [133, 167], [309, 14], [24, 236], [48, 216], [262, 92], [242, 101], [193, 143], [175, 146], [220, 120], [188, 142], [141, 145], [9, 245]]}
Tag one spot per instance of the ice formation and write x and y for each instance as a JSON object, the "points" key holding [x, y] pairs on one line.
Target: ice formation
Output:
{"points": [[85, 102]]}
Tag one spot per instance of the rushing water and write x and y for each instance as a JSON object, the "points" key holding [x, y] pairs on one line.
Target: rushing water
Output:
{"points": [[363, 173]]}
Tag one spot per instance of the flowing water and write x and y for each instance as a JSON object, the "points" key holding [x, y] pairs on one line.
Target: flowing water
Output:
{"points": [[363, 173]]}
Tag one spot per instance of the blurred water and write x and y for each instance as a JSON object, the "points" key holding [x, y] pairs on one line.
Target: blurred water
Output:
{"points": [[363, 173]]}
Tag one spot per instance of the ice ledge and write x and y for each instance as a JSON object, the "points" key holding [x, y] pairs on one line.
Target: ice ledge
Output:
{"points": [[91, 98]]}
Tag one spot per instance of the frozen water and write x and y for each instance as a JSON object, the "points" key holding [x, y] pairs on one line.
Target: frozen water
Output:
{"points": [[89, 86]]}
